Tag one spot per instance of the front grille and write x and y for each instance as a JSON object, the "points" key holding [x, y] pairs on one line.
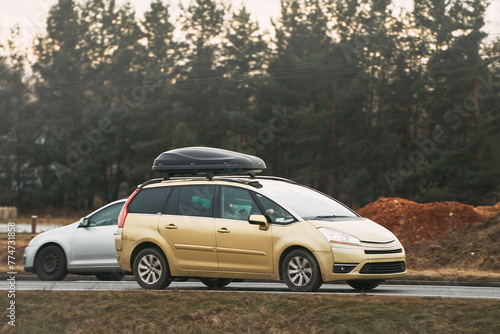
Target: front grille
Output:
{"points": [[392, 251], [383, 268]]}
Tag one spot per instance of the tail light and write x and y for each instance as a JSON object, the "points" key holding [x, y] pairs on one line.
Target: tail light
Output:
{"points": [[124, 212]]}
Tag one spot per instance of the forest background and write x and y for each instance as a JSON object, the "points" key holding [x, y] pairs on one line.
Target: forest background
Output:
{"points": [[345, 96]]}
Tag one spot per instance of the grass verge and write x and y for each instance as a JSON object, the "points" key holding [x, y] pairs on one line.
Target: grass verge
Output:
{"points": [[200, 312]]}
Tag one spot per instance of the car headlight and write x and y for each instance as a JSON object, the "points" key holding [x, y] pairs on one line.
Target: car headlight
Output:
{"points": [[338, 237]]}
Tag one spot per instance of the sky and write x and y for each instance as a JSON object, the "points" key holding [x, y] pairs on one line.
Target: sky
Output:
{"points": [[31, 14]]}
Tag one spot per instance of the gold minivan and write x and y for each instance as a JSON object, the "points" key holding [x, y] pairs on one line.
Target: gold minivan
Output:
{"points": [[223, 227]]}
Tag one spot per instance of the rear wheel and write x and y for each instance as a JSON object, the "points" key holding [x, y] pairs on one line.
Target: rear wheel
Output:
{"points": [[364, 285], [151, 269], [50, 264], [301, 272], [215, 283]]}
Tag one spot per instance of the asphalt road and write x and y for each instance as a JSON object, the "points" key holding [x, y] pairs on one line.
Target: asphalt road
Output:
{"points": [[436, 291]]}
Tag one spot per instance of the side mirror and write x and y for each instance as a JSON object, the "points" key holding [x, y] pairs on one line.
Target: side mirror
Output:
{"points": [[259, 220], [85, 222]]}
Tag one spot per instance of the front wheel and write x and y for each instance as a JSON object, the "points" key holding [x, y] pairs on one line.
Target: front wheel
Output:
{"points": [[364, 285], [301, 272], [151, 269], [50, 264], [215, 283]]}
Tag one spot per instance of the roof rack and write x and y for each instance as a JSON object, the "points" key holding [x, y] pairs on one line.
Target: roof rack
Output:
{"points": [[152, 181], [276, 178], [252, 180]]}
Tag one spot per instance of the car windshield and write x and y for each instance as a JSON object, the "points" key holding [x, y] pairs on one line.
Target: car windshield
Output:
{"points": [[308, 203]]}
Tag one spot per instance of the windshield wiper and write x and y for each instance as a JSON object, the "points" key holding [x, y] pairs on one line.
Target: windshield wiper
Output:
{"points": [[323, 217], [329, 216]]}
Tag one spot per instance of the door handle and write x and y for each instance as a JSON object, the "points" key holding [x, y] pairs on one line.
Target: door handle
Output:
{"points": [[171, 226], [223, 230]]}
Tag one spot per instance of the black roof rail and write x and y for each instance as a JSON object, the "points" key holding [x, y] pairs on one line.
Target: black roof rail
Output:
{"points": [[255, 177], [275, 178], [149, 182], [252, 180]]}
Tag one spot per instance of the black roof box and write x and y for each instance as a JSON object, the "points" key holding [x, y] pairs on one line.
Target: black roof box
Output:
{"points": [[206, 160]]}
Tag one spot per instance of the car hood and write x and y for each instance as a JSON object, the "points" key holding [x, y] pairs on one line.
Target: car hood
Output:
{"points": [[362, 228], [65, 231]]}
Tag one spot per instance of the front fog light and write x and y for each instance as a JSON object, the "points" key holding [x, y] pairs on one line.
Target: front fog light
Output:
{"points": [[338, 237]]}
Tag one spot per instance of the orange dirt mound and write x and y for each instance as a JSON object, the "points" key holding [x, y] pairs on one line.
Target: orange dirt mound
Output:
{"points": [[412, 222], [488, 211]]}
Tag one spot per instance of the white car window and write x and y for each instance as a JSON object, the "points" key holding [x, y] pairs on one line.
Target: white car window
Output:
{"points": [[306, 202], [107, 216]]}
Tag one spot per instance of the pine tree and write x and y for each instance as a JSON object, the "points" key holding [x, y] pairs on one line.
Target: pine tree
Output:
{"points": [[197, 88], [454, 107], [302, 86], [19, 132], [243, 59]]}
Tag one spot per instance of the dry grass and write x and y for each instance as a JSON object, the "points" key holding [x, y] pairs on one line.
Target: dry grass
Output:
{"points": [[470, 248], [22, 240], [198, 312], [453, 275]]}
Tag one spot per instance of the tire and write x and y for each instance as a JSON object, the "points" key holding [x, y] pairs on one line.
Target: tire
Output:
{"points": [[215, 283], [364, 285], [301, 272], [114, 276], [50, 264], [151, 269]]}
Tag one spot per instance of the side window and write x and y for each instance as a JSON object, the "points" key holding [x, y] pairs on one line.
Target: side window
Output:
{"points": [[196, 201], [149, 200], [276, 213], [107, 216], [171, 207], [237, 203]]}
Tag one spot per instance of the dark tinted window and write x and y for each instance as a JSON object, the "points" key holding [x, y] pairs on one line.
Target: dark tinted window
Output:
{"points": [[149, 200], [275, 212], [171, 207], [236, 203], [196, 201]]}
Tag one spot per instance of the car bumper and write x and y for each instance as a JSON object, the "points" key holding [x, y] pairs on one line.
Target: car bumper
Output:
{"points": [[29, 258], [369, 263]]}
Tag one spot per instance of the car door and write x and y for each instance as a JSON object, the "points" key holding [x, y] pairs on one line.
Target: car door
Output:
{"points": [[241, 246], [93, 245], [187, 225]]}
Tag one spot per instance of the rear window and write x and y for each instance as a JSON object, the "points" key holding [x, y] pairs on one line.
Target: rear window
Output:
{"points": [[150, 200]]}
